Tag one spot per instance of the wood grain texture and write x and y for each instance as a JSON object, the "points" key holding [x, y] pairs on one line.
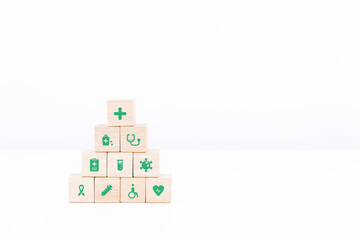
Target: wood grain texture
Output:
{"points": [[134, 139], [106, 139], [124, 118], [138, 185], [81, 189], [87, 157], [120, 165], [152, 159], [107, 190], [158, 190]]}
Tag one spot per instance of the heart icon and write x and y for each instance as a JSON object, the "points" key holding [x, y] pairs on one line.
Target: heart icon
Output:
{"points": [[158, 189]]}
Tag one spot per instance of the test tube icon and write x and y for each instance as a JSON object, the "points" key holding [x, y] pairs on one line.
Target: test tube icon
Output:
{"points": [[120, 165]]}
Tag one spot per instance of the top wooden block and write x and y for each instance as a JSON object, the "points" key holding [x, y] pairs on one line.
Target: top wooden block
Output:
{"points": [[120, 113]]}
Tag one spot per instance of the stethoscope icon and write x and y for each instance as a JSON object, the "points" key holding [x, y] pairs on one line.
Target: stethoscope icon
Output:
{"points": [[133, 194], [132, 140]]}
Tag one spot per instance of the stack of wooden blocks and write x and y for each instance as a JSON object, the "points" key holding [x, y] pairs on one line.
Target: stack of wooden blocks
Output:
{"points": [[121, 169]]}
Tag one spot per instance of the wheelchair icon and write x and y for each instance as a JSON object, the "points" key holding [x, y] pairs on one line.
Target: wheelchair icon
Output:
{"points": [[132, 194]]}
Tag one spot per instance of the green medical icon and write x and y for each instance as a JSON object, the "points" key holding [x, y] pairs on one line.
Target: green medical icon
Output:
{"points": [[158, 189], [145, 165], [133, 140], [120, 113], [106, 190], [120, 164], [81, 189], [94, 165], [106, 140], [132, 194]]}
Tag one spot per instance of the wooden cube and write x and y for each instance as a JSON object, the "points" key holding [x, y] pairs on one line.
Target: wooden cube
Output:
{"points": [[158, 190], [94, 164], [133, 139], [107, 190], [120, 112], [133, 190], [120, 165], [107, 139], [147, 164], [81, 189]]}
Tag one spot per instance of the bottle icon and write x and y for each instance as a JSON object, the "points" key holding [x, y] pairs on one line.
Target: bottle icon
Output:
{"points": [[120, 165], [94, 165], [105, 140]]}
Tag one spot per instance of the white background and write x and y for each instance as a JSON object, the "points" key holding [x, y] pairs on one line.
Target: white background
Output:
{"points": [[270, 82], [204, 74]]}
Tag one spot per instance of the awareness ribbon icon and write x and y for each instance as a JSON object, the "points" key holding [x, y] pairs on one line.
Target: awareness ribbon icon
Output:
{"points": [[81, 188]]}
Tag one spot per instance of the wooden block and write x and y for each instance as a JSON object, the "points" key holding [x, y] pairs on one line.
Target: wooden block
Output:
{"points": [[133, 139], [147, 164], [120, 112], [107, 190], [133, 190], [107, 139], [81, 189], [158, 190], [94, 164], [120, 165]]}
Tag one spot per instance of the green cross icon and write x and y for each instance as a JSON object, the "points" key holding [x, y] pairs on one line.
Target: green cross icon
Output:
{"points": [[120, 113]]}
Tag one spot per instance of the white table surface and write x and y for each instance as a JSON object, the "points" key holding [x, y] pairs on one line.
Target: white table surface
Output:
{"points": [[216, 194]]}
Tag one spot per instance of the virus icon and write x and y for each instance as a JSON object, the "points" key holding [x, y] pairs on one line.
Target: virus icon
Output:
{"points": [[146, 165]]}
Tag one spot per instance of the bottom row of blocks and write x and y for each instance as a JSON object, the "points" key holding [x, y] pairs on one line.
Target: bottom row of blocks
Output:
{"points": [[114, 190]]}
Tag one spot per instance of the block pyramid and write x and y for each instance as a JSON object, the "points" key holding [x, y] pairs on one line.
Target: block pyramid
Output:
{"points": [[121, 168]]}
